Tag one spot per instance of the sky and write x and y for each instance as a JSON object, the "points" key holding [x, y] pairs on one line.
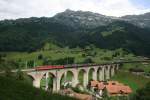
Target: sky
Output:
{"points": [[13, 9]]}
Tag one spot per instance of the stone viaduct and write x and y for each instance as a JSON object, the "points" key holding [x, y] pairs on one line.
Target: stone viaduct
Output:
{"points": [[103, 72]]}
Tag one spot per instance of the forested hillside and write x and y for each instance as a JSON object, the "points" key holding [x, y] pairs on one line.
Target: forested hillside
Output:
{"points": [[32, 34]]}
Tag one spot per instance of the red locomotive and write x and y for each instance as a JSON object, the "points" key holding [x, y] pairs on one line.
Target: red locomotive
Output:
{"points": [[48, 67]]}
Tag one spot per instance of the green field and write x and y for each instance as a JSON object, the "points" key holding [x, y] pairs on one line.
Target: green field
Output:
{"points": [[145, 67], [134, 81], [79, 55]]}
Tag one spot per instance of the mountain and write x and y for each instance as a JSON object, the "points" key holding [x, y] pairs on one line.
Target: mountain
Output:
{"points": [[80, 19], [88, 20], [139, 20], [75, 28]]}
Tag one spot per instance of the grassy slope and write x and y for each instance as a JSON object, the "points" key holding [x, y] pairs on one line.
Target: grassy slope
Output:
{"points": [[14, 90], [62, 53], [134, 81], [146, 67]]}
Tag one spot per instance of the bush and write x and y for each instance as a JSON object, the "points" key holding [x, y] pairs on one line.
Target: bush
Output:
{"points": [[136, 70], [47, 61], [106, 58], [144, 93], [88, 60], [19, 75], [83, 55], [30, 64], [8, 72], [63, 61], [40, 56]]}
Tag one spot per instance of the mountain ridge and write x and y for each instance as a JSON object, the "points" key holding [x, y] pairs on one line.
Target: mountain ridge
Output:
{"points": [[89, 19], [63, 30]]}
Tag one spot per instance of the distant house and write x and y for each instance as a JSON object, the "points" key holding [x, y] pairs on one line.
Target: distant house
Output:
{"points": [[113, 88]]}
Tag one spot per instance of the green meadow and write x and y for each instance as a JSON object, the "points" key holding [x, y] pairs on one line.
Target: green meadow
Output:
{"points": [[134, 81], [44, 57]]}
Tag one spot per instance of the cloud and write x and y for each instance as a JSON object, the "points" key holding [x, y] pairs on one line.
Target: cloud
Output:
{"points": [[12, 9]]}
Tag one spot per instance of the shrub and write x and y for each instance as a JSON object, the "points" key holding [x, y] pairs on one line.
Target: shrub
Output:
{"points": [[88, 60], [47, 61], [30, 64], [83, 55], [40, 56], [63, 61], [136, 70], [143, 94]]}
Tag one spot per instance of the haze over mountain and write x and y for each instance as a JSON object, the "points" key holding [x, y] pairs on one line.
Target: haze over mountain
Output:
{"points": [[142, 20], [87, 19], [77, 28]]}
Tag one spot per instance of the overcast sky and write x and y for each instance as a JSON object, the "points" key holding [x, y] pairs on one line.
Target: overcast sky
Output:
{"points": [[12, 9]]}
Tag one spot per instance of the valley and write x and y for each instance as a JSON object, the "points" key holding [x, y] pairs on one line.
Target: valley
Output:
{"points": [[63, 55]]}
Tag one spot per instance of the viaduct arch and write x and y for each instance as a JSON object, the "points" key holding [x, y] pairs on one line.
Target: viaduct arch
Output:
{"points": [[100, 72]]}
